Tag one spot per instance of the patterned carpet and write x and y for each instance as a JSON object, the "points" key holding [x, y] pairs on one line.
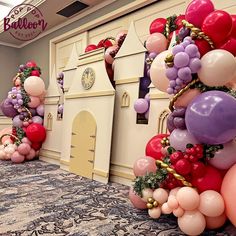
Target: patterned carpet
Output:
{"points": [[38, 198]]}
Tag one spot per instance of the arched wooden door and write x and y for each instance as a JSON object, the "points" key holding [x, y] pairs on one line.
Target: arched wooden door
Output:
{"points": [[83, 142]]}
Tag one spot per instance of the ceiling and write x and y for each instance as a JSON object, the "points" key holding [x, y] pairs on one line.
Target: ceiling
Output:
{"points": [[49, 9]]}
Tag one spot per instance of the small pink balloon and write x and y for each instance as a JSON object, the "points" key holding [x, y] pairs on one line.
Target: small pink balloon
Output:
{"points": [[226, 157], [215, 222], [211, 203], [34, 102], [165, 209], [179, 138], [188, 198], [31, 155], [42, 96], [144, 165], [158, 72], [156, 42], [108, 58], [187, 97], [192, 222], [155, 212], [174, 191], [24, 148], [228, 191], [172, 202], [17, 157], [178, 212], [160, 195], [25, 123], [147, 193], [26, 140], [136, 200]]}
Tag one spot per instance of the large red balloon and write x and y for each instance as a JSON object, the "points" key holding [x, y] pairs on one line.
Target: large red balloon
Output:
{"points": [[90, 47], [229, 45], [153, 147], [233, 32], [104, 43], [212, 180], [157, 26], [178, 21], [217, 25], [36, 146], [203, 46], [36, 133]]}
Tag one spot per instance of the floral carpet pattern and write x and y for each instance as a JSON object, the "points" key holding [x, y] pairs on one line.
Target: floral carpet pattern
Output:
{"points": [[37, 198]]}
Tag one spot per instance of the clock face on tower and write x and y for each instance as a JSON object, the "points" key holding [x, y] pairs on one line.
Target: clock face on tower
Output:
{"points": [[88, 78]]}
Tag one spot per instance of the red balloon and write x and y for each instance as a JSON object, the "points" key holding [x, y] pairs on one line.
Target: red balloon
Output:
{"points": [[104, 43], [157, 26], [217, 25], [212, 180], [35, 73], [233, 32], [36, 146], [31, 64], [178, 21], [36, 133], [90, 47], [203, 46], [153, 147], [171, 34], [229, 45]]}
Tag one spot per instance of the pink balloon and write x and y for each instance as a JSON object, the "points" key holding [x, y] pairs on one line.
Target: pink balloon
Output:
{"points": [[31, 154], [228, 191], [17, 157], [24, 148], [197, 11], [156, 42], [34, 102], [192, 222], [26, 140], [158, 72], [187, 97], [155, 212], [7, 130], [144, 165], [215, 222], [34, 85], [136, 200], [120, 34], [108, 58], [225, 157], [179, 138]]}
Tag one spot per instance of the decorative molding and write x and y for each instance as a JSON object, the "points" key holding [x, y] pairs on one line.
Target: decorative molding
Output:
{"points": [[50, 154], [122, 165], [101, 173], [122, 174], [159, 96], [95, 58], [5, 120], [90, 94], [49, 121], [65, 162], [125, 100], [127, 81], [50, 102], [161, 121]]}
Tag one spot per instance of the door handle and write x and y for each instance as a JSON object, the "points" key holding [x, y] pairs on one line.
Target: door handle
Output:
{"points": [[91, 161], [72, 146], [92, 136], [72, 156], [91, 150]]}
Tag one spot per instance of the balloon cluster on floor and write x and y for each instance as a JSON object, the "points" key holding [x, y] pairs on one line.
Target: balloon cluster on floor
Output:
{"points": [[24, 104], [191, 172]]}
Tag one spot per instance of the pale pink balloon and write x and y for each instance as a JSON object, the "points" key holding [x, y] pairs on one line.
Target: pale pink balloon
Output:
{"points": [[34, 85], [34, 102], [188, 198], [174, 191], [179, 138], [26, 140], [7, 130], [218, 68], [24, 148], [192, 222], [17, 157], [147, 193], [215, 222], [120, 34], [211, 203], [6, 140], [172, 202], [165, 209], [187, 97], [228, 191], [178, 212], [108, 58], [160, 195], [155, 212], [144, 165], [156, 42], [42, 96], [31, 154], [226, 157], [158, 72], [136, 200]]}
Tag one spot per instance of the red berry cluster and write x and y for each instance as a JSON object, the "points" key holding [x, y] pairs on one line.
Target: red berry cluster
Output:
{"points": [[188, 163], [170, 182]]}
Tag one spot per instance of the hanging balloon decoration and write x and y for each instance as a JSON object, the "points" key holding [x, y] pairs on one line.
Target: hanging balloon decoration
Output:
{"points": [[189, 179], [24, 105]]}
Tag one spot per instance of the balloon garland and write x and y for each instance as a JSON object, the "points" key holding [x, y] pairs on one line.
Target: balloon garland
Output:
{"points": [[24, 105], [191, 172]]}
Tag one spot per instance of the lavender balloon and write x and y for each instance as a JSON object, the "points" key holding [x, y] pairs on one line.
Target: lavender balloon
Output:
{"points": [[211, 117], [40, 110], [37, 119], [33, 111], [141, 105], [8, 109], [170, 122], [17, 122]]}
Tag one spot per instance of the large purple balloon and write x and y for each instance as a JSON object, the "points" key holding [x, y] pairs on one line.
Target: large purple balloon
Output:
{"points": [[8, 109], [211, 117]]}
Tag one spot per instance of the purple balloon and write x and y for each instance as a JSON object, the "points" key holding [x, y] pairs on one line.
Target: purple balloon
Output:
{"points": [[141, 105], [171, 73], [179, 123], [210, 117], [17, 122], [170, 122], [32, 111], [60, 108], [147, 114], [8, 109], [152, 55], [147, 97], [37, 119], [40, 110], [195, 65]]}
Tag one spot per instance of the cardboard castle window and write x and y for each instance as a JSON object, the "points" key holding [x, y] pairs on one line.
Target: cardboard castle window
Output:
{"points": [[125, 100], [162, 121], [49, 121]]}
